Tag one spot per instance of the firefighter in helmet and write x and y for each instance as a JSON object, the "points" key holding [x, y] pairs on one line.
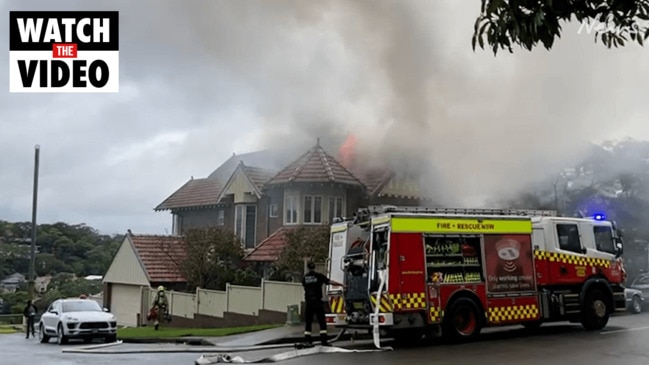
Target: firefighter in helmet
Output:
{"points": [[160, 306], [312, 283]]}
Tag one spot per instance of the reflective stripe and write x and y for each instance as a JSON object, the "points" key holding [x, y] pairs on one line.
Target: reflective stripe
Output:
{"points": [[307, 333], [323, 332]]}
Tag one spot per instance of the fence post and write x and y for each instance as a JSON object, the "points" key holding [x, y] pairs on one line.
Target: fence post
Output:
{"points": [[263, 293], [171, 302], [197, 300], [227, 297]]}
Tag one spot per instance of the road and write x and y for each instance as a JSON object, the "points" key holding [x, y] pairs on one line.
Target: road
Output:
{"points": [[624, 341]]}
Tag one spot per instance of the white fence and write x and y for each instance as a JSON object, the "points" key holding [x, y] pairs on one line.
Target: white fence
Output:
{"points": [[271, 295]]}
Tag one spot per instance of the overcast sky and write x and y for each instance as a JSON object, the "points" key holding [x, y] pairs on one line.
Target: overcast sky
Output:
{"points": [[201, 80]]}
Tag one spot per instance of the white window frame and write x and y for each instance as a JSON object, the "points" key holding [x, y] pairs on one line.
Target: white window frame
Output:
{"points": [[295, 200], [311, 219], [220, 217], [242, 235], [273, 211], [338, 204]]}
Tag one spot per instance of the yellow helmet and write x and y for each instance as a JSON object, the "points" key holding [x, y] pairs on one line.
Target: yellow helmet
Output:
{"points": [[161, 288]]}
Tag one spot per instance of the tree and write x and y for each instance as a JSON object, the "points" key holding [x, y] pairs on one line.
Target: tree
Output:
{"points": [[213, 258], [528, 22], [310, 242]]}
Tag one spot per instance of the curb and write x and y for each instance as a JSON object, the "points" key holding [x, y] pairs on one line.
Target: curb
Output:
{"points": [[192, 341], [300, 339]]}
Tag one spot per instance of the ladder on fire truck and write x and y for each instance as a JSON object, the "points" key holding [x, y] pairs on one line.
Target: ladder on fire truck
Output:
{"points": [[381, 209]]}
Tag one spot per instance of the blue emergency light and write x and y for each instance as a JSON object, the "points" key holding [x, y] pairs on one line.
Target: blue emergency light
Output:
{"points": [[599, 217]]}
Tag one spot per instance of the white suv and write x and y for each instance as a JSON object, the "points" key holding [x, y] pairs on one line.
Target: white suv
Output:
{"points": [[77, 318]]}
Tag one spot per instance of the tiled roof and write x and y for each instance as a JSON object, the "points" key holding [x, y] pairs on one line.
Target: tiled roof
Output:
{"points": [[374, 179], [195, 193], [161, 256], [269, 249], [257, 175], [316, 165]]}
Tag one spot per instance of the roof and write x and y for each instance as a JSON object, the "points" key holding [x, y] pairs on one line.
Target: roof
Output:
{"points": [[195, 193], [257, 175], [161, 256], [374, 179], [270, 248], [274, 159], [316, 165]]}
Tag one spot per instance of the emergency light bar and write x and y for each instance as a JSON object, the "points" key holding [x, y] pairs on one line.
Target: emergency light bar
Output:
{"points": [[379, 209]]}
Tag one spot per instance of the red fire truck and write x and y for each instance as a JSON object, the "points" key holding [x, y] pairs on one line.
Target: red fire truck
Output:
{"points": [[409, 272]]}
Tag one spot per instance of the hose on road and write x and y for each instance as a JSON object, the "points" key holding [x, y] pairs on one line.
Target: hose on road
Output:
{"points": [[225, 358]]}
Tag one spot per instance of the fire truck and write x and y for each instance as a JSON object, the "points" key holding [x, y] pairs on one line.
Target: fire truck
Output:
{"points": [[415, 272]]}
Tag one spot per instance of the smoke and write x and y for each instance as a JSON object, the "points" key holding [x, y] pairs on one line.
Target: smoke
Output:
{"points": [[401, 77]]}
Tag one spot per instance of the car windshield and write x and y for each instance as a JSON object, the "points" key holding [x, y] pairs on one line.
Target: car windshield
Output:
{"points": [[81, 306]]}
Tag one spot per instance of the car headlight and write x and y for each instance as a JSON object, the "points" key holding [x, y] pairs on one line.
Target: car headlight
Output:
{"points": [[71, 319]]}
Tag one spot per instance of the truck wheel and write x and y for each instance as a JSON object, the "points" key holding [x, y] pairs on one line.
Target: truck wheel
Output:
{"points": [[595, 310], [462, 321]]}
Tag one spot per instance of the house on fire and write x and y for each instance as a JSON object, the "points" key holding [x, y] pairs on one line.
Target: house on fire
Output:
{"points": [[261, 195]]}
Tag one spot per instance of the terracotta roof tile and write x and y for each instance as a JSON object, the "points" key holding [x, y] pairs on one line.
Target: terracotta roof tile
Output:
{"points": [[195, 193], [161, 256], [257, 175], [374, 179], [315, 165], [269, 249]]}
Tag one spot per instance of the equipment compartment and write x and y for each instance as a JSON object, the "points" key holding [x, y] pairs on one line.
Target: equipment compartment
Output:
{"points": [[452, 259]]}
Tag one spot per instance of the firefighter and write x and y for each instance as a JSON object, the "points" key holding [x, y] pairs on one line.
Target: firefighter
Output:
{"points": [[312, 283], [30, 313], [160, 305]]}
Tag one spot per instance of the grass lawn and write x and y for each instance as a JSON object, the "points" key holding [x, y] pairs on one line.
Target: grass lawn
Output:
{"points": [[6, 330], [167, 332]]}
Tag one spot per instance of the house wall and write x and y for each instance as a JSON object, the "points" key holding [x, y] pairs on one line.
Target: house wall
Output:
{"points": [[236, 306], [351, 196]]}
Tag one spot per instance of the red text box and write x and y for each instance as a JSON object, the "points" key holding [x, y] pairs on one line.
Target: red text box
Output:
{"points": [[64, 50]]}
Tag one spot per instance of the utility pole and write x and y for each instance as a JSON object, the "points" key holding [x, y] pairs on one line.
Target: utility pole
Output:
{"points": [[32, 263]]}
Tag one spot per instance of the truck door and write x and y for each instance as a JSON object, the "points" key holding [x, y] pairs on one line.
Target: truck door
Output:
{"points": [[408, 271]]}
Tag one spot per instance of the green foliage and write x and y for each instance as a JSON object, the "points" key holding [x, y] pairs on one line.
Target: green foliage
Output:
{"points": [[61, 248], [67, 285], [214, 259], [526, 23], [15, 301], [311, 242]]}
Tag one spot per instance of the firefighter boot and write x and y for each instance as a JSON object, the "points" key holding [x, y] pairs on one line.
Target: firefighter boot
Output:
{"points": [[323, 338], [307, 338]]}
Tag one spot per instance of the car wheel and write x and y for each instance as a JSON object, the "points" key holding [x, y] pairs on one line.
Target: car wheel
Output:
{"points": [[42, 337], [60, 337], [636, 305]]}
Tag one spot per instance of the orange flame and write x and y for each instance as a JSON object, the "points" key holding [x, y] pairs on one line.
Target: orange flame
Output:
{"points": [[346, 151]]}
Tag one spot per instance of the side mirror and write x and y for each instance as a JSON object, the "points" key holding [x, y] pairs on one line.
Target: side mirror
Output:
{"points": [[54, 312]]}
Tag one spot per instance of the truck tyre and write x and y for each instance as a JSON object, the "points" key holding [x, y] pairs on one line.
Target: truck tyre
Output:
{"points": [[595, 310], [462, 320]]}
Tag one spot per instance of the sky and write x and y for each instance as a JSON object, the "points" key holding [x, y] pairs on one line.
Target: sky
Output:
{"points": [[201, 80]]}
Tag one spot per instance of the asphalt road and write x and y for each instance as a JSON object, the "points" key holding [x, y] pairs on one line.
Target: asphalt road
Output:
{"points": [[624, 341]]}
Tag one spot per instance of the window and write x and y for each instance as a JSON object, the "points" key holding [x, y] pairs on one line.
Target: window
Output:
{"points": [[245, 221], [312, 209], [335, 208], [220, 218], [604, 239], [568, 235], [291, 207], [272, 210], [81, 306]]}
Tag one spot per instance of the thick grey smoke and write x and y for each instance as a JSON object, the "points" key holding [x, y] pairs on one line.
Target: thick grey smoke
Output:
{"points": [[401, 76]]}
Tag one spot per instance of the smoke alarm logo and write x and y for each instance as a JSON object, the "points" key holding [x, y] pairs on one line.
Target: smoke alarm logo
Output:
{"points": [[63, 51]]}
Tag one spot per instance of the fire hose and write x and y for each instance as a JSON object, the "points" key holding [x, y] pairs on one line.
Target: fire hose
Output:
{"points": [[375, 324], [225, 358]]}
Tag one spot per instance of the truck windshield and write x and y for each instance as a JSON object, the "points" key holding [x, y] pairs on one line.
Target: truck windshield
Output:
{"points": [[604, 239]]}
